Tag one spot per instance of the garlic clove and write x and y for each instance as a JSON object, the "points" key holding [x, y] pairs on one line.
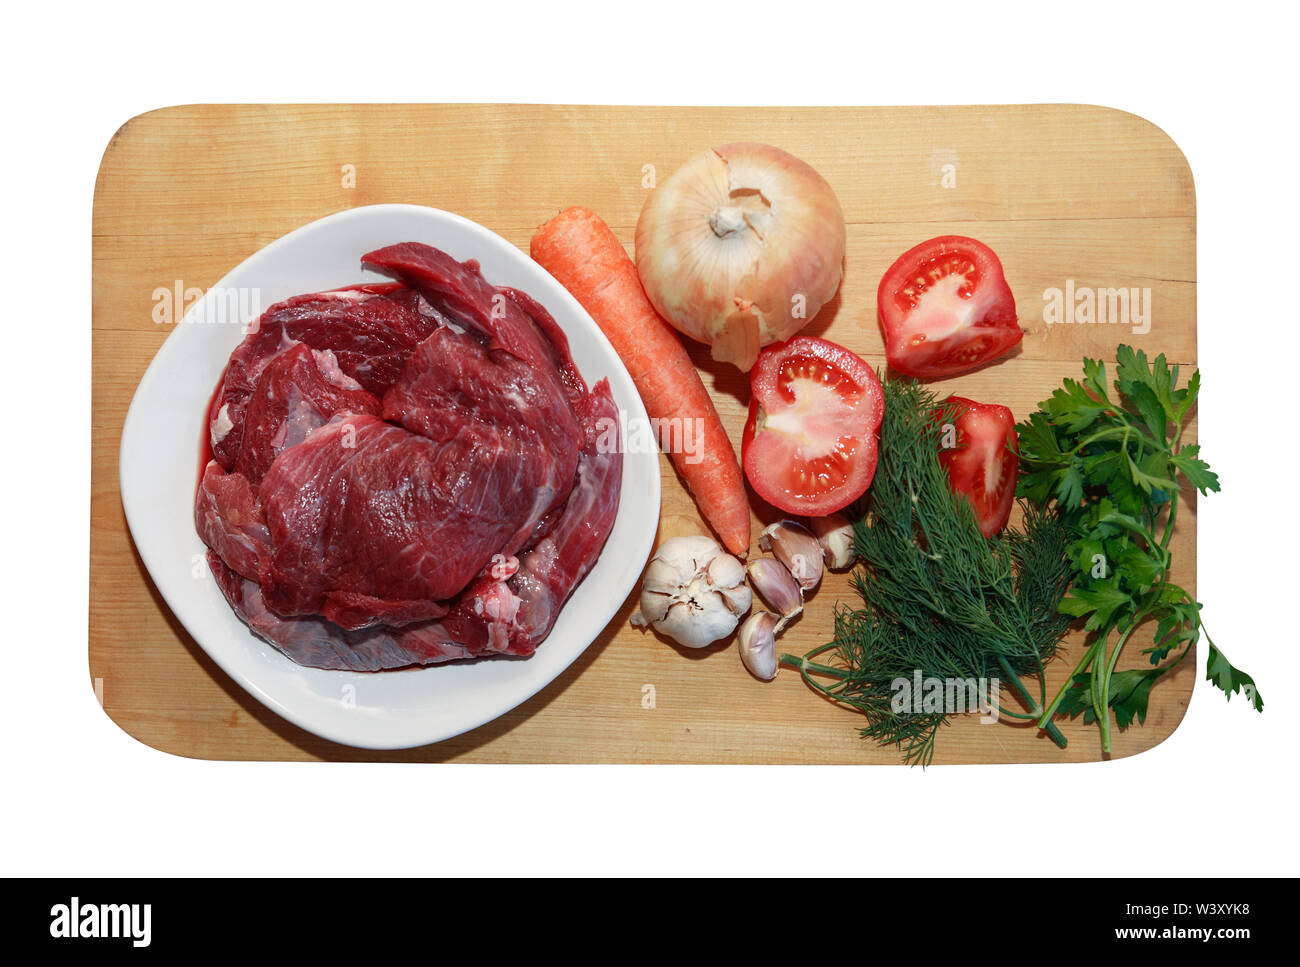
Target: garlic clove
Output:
{"points": [[726, 571], [727, 576], [795, 546], [776, 585], [739, 599], [757, 643], [835, 534]]}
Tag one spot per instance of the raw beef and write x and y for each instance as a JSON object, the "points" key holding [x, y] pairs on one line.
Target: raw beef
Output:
{"points": [[508, 610], [407, 473], [297, 392], [370, 332], [229, 518]]}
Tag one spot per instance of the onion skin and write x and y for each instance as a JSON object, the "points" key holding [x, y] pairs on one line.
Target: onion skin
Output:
{"points": [[727, 243]]}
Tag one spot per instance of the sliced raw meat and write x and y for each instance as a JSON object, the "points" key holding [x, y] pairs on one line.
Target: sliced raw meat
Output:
{"points": [[554, 336], [356, 513], [371, 331], [508, 610], [364, 509], [318, 643], [503, 435], [453, 527], [229, 518], [513, 615], [297, 392], [493, 314]]}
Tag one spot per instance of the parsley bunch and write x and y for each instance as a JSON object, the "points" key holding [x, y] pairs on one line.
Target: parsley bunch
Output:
{"points": [[1114, 467]]}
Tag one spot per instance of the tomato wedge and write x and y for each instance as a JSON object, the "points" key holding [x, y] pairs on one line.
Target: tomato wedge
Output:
{"points": [[983, 461], [946, 308], [810, 443]]}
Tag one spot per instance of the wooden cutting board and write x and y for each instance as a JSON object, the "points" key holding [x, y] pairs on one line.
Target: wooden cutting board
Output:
{"points": [[1062, 193]]}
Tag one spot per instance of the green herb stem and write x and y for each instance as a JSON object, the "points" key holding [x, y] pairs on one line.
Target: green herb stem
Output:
{"points": [[1050, 728], [1104, 718], [1084, 662]]}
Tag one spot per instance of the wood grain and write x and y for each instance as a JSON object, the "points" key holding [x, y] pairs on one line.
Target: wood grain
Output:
{"points": [[1060, 192]]}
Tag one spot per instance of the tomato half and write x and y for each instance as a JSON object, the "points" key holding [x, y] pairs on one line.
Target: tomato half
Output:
{"points": [[983, 461], [810, 443], [946, 308]]}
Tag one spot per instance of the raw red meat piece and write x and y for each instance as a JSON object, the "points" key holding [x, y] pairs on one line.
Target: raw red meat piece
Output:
{"points": [[297, 392], [516, 614], [366, 508], [508, 440], [229, 518], [371, 331], [508, 615], [455, 529], [318, 643], [370, 328], [503, 317]]}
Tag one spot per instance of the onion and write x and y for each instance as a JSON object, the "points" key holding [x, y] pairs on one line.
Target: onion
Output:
{"points": [[740, 248]]}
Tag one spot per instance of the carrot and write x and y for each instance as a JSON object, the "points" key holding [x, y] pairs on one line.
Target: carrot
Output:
{"points": [[588, 259]]}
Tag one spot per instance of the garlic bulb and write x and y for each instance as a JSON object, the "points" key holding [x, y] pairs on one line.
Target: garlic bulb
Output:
{"points": [[740, 248], [693, 591]]}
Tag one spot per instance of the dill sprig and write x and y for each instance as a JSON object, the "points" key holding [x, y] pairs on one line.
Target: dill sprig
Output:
{"points": [[938, 598]]}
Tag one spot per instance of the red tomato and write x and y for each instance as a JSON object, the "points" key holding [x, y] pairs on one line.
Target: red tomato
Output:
{"points": [[946, 308], [982, 463], [810, 442]]}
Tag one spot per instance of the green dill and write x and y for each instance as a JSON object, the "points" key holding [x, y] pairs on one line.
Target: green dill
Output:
{"points": [[1113, 469], [938, 599]]}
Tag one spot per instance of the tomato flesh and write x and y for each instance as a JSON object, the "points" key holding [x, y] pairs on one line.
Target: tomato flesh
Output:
{"points": [[810, 443], [983, 461], [945, 308]]}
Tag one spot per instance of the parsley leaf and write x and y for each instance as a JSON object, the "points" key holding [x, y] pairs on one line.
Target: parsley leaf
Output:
{"points": [[1098, 602], [1129, 694], [1221, 672], [1197, 471]]}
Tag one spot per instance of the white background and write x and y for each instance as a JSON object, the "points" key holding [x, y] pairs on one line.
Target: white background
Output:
{"points": [[82, 798]]}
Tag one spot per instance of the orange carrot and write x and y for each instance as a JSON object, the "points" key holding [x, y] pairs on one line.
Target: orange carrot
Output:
{"points": [[588, 259]]}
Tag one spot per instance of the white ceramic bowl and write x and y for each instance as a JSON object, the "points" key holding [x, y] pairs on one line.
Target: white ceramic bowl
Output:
{"points": [[160, 466]]}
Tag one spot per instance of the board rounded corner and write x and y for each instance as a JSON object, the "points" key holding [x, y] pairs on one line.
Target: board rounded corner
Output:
{"points": [[1166, 733], [1178, 155], [96, 695], [122, 132]]}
